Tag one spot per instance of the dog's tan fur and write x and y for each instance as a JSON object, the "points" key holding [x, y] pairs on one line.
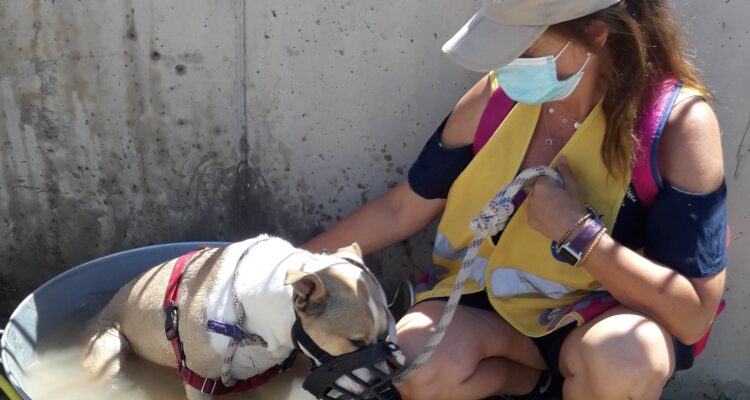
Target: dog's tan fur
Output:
{"points": [[331, 302], [337, 333]]}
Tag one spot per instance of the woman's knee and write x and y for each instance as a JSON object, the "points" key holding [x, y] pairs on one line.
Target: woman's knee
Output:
{"points": [[463, 344], [436, 376], [455, 359], [627, 354], [642, 348]]}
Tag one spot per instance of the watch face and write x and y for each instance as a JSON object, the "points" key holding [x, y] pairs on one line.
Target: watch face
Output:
{"points": [[565, 254], [568, 257], [558, 254], [555, 254]]}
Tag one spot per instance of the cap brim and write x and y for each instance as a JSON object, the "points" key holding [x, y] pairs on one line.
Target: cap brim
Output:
{"points": [[482, 45]]}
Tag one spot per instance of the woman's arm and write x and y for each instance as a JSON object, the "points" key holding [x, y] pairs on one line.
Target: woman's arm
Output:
{"points": [[690, 159], [401, 212], [685, 307], [394, 216]]}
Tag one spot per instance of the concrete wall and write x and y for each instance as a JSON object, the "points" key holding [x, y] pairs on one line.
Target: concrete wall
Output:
{"points": [[719, 31], [122, 124], [131, 122]]}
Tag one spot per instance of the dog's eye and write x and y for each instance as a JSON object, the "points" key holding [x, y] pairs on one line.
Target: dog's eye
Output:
{"points": [[358, 343]]}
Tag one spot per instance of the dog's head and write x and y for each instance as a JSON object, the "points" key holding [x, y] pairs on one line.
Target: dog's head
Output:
{"points": [[343, 309]]}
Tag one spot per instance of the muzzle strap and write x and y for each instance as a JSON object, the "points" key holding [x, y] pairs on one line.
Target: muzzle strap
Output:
{"points": [[322, 381], [326, 370], [303, 341]]}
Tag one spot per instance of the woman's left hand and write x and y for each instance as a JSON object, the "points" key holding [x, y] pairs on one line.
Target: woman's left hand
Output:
{"points": [[554, 209]]}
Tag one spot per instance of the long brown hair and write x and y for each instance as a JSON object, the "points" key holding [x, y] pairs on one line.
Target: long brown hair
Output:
{"points": [[644, 44]]}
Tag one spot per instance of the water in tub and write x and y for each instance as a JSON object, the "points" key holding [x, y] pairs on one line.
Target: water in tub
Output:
{"points": [[56, 373]]}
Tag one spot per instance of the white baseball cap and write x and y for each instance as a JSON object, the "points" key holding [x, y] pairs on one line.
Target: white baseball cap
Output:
{"points": [[503, 29]]}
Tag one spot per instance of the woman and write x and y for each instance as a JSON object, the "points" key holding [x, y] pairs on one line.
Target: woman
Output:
{"points": [[584, 77]]}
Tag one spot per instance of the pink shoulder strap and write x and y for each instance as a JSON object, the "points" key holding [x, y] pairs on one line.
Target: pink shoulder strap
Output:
{"points": [[654, 112], [498, 107]]}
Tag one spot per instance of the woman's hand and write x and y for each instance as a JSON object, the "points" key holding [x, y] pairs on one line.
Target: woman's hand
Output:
{"points": [[554, 209]]}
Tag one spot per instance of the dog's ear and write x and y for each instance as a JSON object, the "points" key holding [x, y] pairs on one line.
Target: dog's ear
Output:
{"points": [[309, 292], [352, 252]]}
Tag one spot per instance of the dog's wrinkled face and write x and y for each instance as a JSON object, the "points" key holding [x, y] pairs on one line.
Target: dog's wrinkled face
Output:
{"points": [[342, 307]]}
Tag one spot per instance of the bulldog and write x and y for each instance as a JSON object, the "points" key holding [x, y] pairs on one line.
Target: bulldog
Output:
{"points": [[236, 306]]}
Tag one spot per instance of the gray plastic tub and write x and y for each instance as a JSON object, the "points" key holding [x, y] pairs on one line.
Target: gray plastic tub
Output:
{"points": [[86, 287]]}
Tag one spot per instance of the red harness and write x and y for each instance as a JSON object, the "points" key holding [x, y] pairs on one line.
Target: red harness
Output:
{"points": [[204, 385]]}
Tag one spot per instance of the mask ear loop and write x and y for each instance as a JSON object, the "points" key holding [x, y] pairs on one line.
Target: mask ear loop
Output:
{"points": [[585, 63], [579, 74], [559, 53]]}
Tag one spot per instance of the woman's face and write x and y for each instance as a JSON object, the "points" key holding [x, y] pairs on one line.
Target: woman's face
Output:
{"points": [[569, 62]]}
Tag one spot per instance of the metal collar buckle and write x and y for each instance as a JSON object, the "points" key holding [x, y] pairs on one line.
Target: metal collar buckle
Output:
{"points": [[213, 387]]}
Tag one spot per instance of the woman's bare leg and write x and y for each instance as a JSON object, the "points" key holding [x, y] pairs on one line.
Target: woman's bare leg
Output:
{"points": [[481, 355]]}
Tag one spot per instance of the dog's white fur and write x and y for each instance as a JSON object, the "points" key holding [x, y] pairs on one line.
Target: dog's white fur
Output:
{"points": [[134, 321], [266, 300]]}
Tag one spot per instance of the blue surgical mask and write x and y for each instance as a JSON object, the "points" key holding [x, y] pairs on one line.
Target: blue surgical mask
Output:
{"points": [[534, 80]]}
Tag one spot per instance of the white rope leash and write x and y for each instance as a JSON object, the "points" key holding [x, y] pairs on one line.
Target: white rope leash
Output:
{"points": [[250, 339], [491, 220], [226, 366]]}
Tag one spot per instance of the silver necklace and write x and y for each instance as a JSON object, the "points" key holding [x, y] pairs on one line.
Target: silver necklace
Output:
{"points": [[550, 140], [564, 118]]}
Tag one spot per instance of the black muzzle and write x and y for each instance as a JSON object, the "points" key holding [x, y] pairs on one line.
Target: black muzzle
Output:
{"points": [[368, 361]]}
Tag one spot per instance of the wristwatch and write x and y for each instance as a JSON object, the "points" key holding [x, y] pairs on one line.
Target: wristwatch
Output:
{"points": [[572, 251]]}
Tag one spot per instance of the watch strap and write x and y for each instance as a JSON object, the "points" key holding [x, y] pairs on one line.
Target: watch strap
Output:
{"points": [[572, 252], [589, 232]]}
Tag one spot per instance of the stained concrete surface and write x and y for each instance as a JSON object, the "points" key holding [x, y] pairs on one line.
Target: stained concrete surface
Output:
{"points": [[125, 123]]}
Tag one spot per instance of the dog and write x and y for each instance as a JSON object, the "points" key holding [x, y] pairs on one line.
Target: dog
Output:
{"points": [[341, 306]]}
